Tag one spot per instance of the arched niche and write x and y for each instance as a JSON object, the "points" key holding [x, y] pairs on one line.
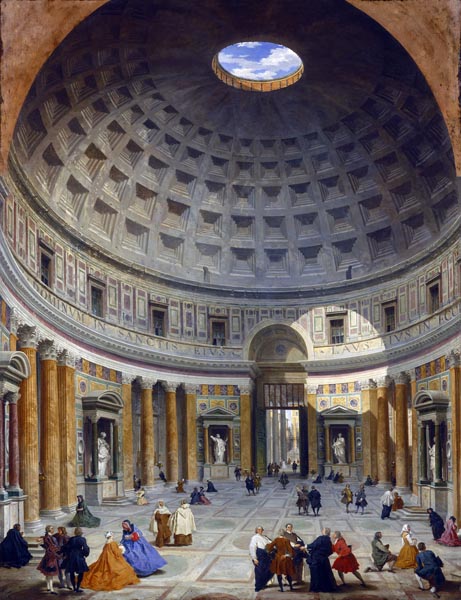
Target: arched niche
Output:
{"points": [[102, 445], [434, 444]]}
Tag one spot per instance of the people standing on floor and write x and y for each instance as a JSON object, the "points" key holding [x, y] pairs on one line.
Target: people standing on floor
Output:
{"points": [[299, 552], [450, 536], [294, 467], [436, 523], [302, 502], [361, 498], [257, 482], [275, 469], [429, 568], [180, 487], [238, 473], [14, 549], [398, 503], [49, 565], [347, 496], [83, 517], [202, 497], [387, 501], [182, 524], [162, 476], [314, 498], [282, 561], [62, 538], [407, 555], [195, 496], [75, 552], [269, 470], [143, 557], [346, 561], [250, 484], [111, 572], [283, 480], [141, 499], [260, 558], [322, 578], [159, 524], [381, 554]]}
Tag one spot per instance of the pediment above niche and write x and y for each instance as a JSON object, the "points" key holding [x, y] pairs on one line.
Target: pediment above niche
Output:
{"points": [[339, 412], [217, 412]]}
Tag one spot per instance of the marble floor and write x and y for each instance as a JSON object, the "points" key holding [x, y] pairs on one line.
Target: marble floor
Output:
{"points": [[217, 565]]}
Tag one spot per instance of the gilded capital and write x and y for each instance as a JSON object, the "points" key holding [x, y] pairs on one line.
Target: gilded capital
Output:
{"points": [[27, 336], [246, 389]]}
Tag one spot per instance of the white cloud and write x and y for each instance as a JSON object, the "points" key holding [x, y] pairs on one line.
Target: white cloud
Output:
{"points": [[248, 44], [279, 62]]}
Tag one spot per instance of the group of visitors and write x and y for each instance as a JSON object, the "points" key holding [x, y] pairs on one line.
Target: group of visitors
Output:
{"points": [[445, 534], [284, 558], [306, 498]]}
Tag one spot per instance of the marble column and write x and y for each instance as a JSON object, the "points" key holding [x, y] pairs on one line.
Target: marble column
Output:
{"points": [[172, 462], [312, 427], [352, 443], [414, 437], [382, 433], [147, 434], [14, 488], [50, 431], [246, 427], [276, 435], [206, 446], [283, 435], [128, 465], [3, 493], [94, 446], [438, 453], [68, 428], [28, 430], [454, 364], [191, 432], [422, 452], [369, 431], [327, 443], [401, 430]]}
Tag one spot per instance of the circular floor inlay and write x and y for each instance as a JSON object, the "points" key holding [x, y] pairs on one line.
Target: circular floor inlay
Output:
{"points": [[258, 66]]}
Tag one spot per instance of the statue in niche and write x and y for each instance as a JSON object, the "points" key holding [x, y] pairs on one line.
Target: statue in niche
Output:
{"points": [[103, 454], [219, 448], [431, 450], [339, 448]]}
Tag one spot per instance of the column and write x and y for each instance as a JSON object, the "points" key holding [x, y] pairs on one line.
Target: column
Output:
{"points": [[147, 434], [28, 430], [94, 446], [414, 437], [276, 435], [430, 476], [422, 452], [14, 488], [312, 428], [68, 427], [382, 432], [115, 450], [283, 435], [327, 443], [50, 430], [246, 427], [352, 443], [191, 432], [438, 461], [206, 445], [171, 432], [128, 468], [454, 364], [401, 430], [230, 444], [3, 493], [268, 437]]}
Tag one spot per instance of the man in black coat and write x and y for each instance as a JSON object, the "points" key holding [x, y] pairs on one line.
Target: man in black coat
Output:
{"points": [[75, 552], [14, 550], [322, 578], [314, 497]]}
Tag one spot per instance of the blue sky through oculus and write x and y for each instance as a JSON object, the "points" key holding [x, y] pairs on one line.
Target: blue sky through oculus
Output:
{"points": [[261, 61]]}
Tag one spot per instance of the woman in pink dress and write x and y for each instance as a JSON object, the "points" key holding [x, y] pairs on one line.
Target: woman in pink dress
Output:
{"points": [[450, 535]]}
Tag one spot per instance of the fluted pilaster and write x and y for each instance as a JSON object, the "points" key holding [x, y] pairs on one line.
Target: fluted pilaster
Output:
{"points": [[147, 432], [312, 427], [128, 466], [28, 429], [68, 433], [455, 393], [191, 433], [171, 431], [50, 429], [369, 396], [14, 488], [246, 427]]}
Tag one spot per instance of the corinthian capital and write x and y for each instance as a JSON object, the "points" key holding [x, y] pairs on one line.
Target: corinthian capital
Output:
{"points": [[27, 336], [190, 389], [403, 378], [146, 383], [170, 386], [47, 350], [66, 359], [246, 388]]}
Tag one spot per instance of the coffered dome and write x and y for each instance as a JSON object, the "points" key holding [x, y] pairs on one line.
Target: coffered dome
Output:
{"points": [[134, 145]]}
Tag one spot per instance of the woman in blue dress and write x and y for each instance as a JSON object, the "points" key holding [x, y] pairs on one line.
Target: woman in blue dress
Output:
{"points": [[143, 557]]}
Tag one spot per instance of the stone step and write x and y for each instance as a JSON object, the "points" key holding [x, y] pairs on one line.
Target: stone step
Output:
{"points": [[413, 513], [117, 501]]}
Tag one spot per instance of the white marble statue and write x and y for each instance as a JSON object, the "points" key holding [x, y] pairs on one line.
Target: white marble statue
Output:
{"points": [[339, 448], [103, 454], [219, 448]]}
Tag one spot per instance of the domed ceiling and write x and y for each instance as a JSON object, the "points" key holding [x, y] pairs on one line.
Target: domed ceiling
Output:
{"points": [[135, 146]]}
